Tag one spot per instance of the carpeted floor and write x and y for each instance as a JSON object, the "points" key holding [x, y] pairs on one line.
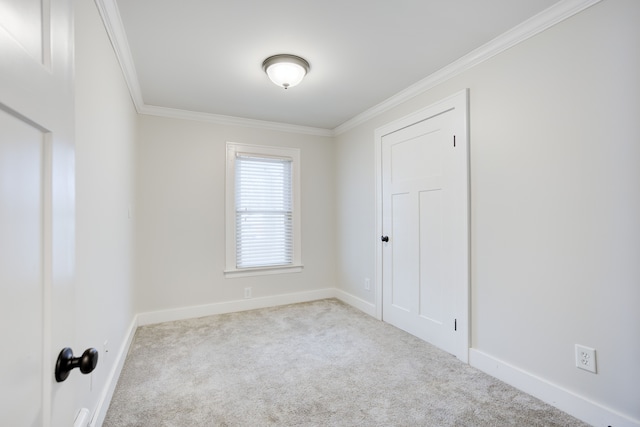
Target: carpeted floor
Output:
{"points": [[314, 364]]}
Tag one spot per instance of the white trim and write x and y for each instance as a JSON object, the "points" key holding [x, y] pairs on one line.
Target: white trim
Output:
{"points": [[529, 28], [110, 15], [352, 300], [263, 271], [172, 113], [47, 276], [112, 380], [458, 101], [377, 276], [82, 418], [233, 306], [565, 400]]}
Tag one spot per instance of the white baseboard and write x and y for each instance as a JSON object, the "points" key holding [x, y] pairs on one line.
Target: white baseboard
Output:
{"points": [[107, 393], [565, 400], [362, 305], [232, 306]]}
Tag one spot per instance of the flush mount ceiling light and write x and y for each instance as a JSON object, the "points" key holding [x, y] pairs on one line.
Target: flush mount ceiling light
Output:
{"points": [[285, 70]]}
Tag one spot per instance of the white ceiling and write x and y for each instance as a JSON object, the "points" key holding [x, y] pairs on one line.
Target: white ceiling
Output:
{"points": [[205, 56]]}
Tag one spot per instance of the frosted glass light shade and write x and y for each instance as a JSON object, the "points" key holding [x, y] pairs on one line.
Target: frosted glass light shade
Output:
{"points": [[285, 70]]}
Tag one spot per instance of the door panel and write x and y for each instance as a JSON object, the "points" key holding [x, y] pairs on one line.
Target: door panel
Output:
{"points": [[403, 274], [416, 158], [23, 20], [21, 271], [424, 192], [432, 291]]}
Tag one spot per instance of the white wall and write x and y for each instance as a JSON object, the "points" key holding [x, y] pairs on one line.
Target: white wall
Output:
{"points": [[105, 162], [555, 203], [181, 215]]}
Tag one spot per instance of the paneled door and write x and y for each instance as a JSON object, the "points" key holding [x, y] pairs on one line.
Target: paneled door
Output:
{"points": [[425, 227], [36, 210]]}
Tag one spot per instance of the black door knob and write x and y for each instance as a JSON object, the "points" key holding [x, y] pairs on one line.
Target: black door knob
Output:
{"points": [[66, 362], [384, 238]]}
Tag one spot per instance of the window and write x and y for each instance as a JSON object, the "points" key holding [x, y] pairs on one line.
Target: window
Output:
{"points": [[262, 210]]}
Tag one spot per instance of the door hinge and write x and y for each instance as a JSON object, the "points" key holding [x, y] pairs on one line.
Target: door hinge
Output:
{"points": [[455, 324], [454, 140]]}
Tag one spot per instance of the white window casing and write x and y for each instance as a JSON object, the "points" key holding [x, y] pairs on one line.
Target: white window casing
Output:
{"points": [[262, 210]]}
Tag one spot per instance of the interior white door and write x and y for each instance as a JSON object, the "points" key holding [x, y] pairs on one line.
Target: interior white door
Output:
{"points": [[36, 210], [425, 219]]}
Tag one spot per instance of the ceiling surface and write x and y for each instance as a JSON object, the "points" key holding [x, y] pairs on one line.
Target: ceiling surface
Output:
{"points": [[206, 56]]}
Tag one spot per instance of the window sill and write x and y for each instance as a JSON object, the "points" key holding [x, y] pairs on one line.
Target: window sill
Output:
{"points": [[262, 271]]}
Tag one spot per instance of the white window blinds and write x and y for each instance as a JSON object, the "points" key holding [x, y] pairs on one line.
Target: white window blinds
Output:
{"points": [[264, 208]]}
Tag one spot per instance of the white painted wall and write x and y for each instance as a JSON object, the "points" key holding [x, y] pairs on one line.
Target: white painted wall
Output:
{"points": [[105, 162], [181, 215], [555, 202]]}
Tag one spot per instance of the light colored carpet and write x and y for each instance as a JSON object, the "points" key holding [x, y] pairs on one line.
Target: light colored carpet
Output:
{"points": [[314, 364]]}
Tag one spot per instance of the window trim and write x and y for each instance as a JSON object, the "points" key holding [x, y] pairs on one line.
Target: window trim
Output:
{"points": [[233, 150]]}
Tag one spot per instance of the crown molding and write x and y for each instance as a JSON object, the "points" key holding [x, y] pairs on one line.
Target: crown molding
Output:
{"points": [[173, 113], [547, 18], [529, 28], [110, 15]]}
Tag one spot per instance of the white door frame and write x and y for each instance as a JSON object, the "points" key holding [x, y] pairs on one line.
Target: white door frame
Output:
{"points": [[460, 101]]}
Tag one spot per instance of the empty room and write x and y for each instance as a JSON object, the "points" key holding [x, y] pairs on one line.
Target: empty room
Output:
{"points": [[356, 213]]}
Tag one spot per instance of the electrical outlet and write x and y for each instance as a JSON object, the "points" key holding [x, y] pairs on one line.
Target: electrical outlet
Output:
{"points": [[247, 292], [367, 284], [105, 346], [586, 358]]}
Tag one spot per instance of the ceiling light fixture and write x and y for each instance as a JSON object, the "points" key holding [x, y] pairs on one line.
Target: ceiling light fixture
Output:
{"points": [[285, 70]]}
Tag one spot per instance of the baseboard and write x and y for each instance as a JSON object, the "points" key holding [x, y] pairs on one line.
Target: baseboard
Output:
{"points": [[107, 393], [565, 400], [354, 301], [233, 306]]}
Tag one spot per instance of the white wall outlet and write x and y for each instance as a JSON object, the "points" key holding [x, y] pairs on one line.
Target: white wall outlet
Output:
{"points": [[367, 284], [105, 346], [247, 292], [586, 358]]}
